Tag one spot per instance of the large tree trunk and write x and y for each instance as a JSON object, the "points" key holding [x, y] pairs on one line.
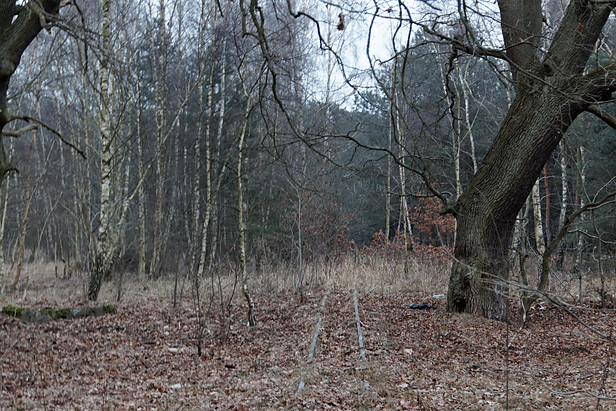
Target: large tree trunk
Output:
{"points": [[19, 25], [550, 95], [487, 209]]}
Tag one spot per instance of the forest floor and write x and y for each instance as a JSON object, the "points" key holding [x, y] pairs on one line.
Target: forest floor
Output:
{"points": [[146, 357]]}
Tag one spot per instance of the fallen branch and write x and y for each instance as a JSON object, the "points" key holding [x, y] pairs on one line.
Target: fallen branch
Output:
{"points": [[46, 314]]}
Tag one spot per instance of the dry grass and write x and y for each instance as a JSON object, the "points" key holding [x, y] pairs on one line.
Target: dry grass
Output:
{"points": [[45, 282], [415, 359]]}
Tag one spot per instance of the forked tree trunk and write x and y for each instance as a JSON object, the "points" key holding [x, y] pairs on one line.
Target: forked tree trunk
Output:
{"points": [[550, 94], [487, 209]]}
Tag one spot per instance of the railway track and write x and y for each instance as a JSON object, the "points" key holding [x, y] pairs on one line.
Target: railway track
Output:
{"points": [[339, 353]]}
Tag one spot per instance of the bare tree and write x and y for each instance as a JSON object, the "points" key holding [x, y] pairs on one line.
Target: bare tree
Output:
{"points": [[102, 263], [19, 25], [552, 89]]}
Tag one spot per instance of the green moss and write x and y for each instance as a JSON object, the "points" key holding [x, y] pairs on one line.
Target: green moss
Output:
{"points": [[12, 310], [57, 313], [109, 309], [41, 315]]}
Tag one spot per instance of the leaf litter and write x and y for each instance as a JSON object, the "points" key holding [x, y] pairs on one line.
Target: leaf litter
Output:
{"points": [[145, 357]]}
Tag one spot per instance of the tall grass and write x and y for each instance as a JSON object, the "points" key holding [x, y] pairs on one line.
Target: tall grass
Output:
{"points": [[45, 283]]}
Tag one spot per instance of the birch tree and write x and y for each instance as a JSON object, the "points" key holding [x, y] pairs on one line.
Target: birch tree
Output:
{"points": [[241, 205], [102, 263]]}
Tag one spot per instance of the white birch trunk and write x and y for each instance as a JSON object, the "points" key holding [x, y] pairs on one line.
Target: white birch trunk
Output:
{"points": [[536, 200], [404, 209], [466, 92], [241, 224], [564, 190], [221, 121], [208, 178], [581, 190], [388, 188], [101, 250]]}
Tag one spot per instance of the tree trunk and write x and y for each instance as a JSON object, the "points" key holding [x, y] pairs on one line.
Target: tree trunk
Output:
{"points": [[141, 270], [581, 182], [466, 94], [5, 202], [216, 154], [550, 94], [486, 211], [388, 189], [102, 260], [160, 213], [563, 198], [546, 187], [404, 209], [252, 321], [24, 223], [537, 219]]}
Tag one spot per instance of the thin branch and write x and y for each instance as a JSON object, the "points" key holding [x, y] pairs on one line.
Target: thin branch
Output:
{"points": [[51, 129], [20, 132], [474, 50], [601, 114]]}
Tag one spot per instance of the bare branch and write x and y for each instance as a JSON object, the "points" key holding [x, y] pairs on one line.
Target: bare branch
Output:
{"points": [[48, 127], [20, 132], [474, 49], [606, 117]]}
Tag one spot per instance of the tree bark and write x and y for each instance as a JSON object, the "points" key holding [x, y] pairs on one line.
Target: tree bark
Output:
{"points": [[563, 198], [141, 270], [538, 219], [102, 258], [241, 205], [550, 94], [160, 214], [19, 25], [546, 187], [487, 209]]}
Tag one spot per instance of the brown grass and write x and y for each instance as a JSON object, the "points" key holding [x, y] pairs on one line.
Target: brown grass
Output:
{"points": [[415, 358], [45, 282]]}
